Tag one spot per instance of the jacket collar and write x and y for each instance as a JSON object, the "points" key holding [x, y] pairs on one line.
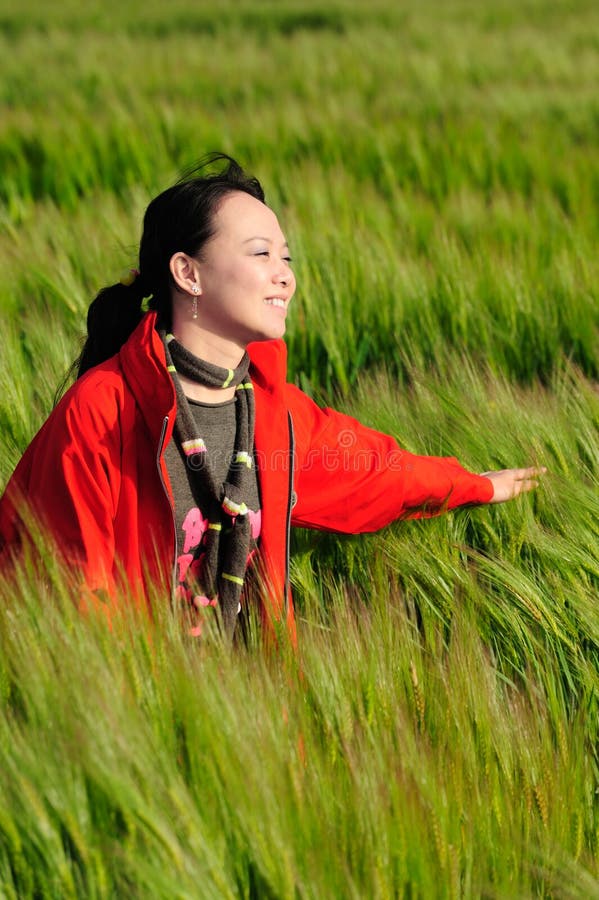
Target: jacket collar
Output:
{"points": [[143, 363], [144, 366], [268, 364]]}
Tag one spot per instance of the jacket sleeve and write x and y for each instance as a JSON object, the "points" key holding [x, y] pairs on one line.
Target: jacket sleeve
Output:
{"points": [[66, 486], [350, 478]]}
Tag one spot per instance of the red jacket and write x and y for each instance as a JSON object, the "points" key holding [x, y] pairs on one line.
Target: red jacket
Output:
{"points": [[95, 472]]}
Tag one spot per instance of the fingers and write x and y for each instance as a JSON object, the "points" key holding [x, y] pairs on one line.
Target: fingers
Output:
{"points": [[526, 479], [509, 483], [523, 485], [530, 472]]}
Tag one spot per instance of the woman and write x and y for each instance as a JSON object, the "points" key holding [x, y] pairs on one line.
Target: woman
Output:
{"points": [[181, 457]]}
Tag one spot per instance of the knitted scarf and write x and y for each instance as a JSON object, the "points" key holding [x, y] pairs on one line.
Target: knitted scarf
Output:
{"points": [[228, 534]]}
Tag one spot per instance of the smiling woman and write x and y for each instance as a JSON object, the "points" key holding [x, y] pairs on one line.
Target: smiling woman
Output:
{"points": [[243, 281], [181, 457]]}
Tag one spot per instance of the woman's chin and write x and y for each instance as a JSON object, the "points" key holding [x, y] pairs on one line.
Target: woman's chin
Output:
{"points": [[272, 332]]}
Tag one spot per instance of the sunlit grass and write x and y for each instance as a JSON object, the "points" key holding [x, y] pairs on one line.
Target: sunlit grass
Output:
{"points": [[400, 756]]}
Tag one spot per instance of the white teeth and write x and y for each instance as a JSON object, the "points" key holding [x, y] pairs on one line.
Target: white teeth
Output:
{"points": [[275, 301]]}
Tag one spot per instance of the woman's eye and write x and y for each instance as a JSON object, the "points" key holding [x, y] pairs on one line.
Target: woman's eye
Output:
{"points": [[287, 259]]}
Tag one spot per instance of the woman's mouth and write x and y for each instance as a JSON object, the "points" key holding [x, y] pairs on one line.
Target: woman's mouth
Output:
{"points": [[276, 301]]}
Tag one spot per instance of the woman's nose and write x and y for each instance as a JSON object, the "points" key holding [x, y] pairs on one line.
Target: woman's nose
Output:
{"points": [[283, 276]]}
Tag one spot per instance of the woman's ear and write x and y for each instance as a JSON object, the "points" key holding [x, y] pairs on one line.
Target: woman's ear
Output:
{"points": [[186, 273]]}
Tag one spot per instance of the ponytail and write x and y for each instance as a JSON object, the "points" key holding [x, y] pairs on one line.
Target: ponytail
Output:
{"points": [[111, 318]]}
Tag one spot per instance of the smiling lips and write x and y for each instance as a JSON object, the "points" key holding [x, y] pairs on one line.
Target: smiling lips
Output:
{"points": [[276, 301]]}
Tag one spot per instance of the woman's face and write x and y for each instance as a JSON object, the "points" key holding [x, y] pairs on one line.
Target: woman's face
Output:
{"points": [[245, 274]]}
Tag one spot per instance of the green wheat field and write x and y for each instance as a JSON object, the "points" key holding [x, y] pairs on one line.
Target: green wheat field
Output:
{"points": [[435, 165]]}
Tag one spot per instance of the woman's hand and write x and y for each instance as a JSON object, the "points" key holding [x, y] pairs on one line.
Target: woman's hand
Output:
{"points": [[508, 483]]}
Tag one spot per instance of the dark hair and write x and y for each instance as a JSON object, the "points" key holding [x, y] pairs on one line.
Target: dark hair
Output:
{"points": [[179, 219]]}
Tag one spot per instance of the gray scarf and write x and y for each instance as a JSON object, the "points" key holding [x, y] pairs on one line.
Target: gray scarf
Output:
{"points": [[229, 531]]}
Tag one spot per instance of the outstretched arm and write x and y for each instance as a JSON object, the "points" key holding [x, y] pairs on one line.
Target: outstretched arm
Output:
{"points": [[508, 483], [351, 478]]}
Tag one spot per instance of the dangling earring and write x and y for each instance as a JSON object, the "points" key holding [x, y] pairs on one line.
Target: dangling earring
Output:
{"points": [[194, 303]]}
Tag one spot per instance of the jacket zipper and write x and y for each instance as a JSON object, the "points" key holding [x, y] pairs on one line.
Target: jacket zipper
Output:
{"points": [[172, 509], [290, 504]]}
